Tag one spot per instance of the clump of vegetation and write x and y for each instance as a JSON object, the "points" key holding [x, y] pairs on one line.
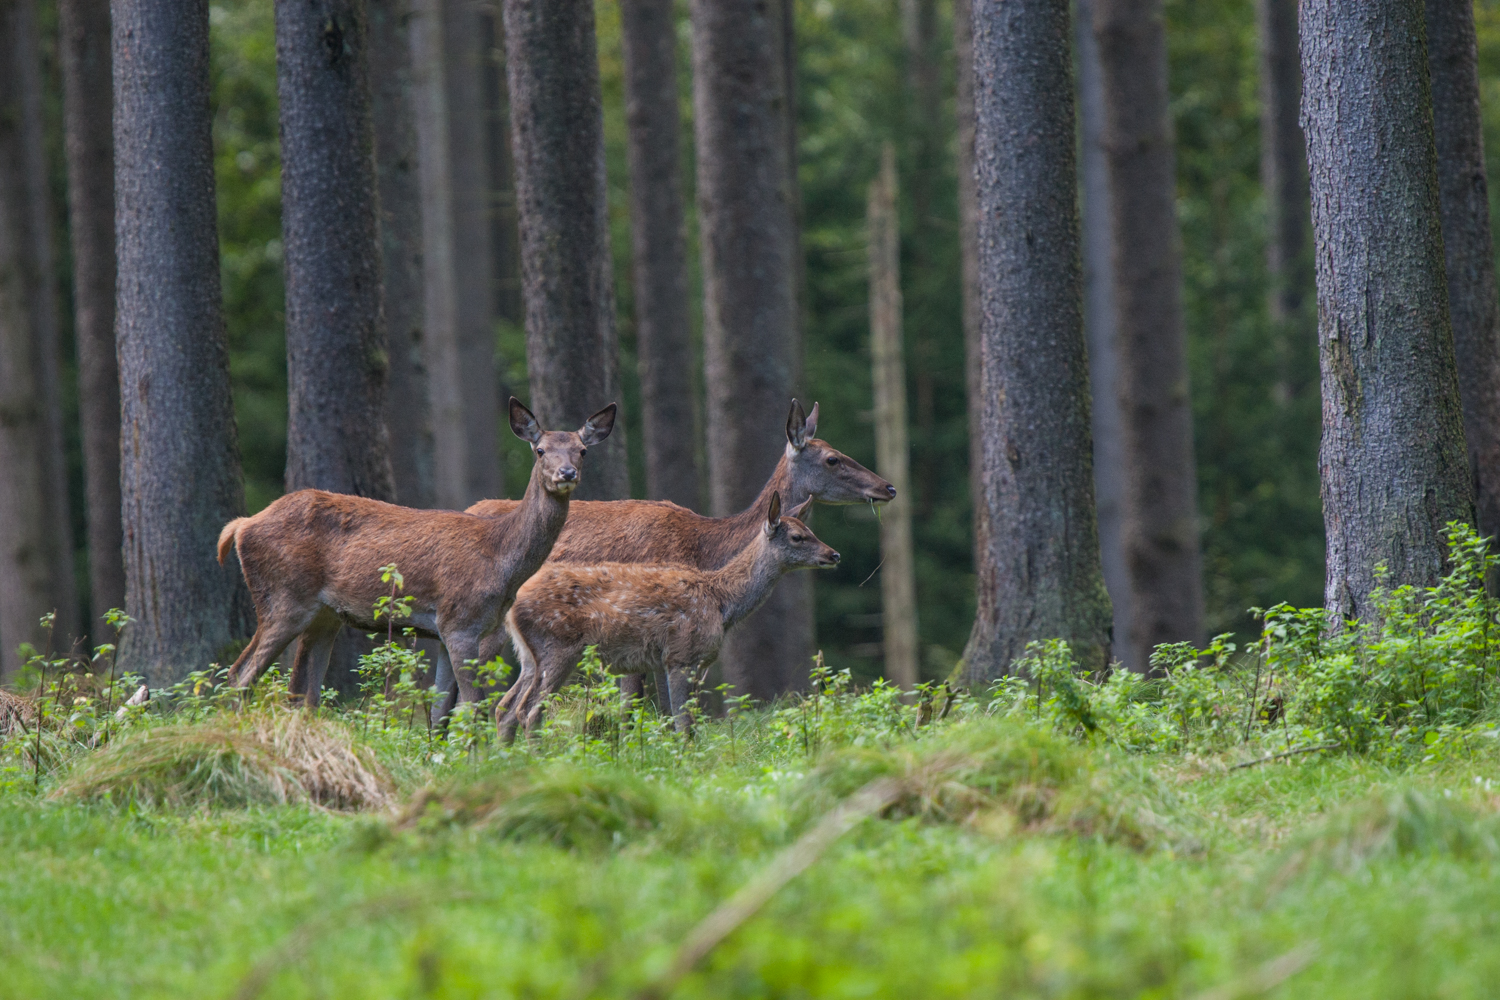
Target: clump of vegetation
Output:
{"points": [[266, 757]]}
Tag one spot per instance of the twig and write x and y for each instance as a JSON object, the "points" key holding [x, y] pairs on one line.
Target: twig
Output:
{"points": [[790, 863], [1285, 753], [873, 572], [1265, 978]]}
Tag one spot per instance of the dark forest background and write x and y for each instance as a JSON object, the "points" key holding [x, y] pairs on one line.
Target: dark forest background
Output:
{"points": [[1262, 529]]}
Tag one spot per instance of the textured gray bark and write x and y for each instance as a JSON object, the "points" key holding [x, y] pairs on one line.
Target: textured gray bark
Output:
{"points": [[659, 252], [1039, 575], [35, 550], [751, 344], [335, 337], [504, 236], [1467, 244], [968, 251], [180, 473], [1283, 157], [84, 31], [557, 128], [464, 65], [1099, 328], [408, 409], [1159, 522], [1393, 462]]}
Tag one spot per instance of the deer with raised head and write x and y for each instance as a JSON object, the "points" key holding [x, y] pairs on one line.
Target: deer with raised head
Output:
{"points": [[644, 618], [310, 560], [658, 531]]}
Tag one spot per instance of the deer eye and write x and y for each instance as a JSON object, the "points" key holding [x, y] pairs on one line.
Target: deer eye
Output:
{"points": [[541, 451], [833, 460], [582, 452], [799, 538]]}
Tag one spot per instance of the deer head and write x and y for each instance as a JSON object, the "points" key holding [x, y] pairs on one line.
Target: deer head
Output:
{"points": [[819, 470], [558, 453], [793, 542]]}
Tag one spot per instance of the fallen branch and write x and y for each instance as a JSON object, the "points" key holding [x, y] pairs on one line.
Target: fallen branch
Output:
{"points": [[1286, 753], [790, 863]]}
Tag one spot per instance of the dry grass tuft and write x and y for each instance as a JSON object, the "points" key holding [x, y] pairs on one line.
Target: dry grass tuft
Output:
{"points": [[269, 757], [17, 714]]}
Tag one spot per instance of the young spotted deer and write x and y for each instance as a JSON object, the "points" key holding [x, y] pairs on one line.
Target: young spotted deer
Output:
{"points": [[656, 531], [644, 617], [310, 560]]}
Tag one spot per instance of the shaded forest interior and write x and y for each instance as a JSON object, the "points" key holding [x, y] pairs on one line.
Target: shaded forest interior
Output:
{"points": [[1254, 382]]}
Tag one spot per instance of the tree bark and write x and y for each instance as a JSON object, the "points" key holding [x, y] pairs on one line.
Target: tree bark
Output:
{"points": [[1393, 460], [335, 338], [1283, 157], [659, 250], [180, 473], [1039, 575], [35, 549], [898, 583], [89, 142], [408, 408], [504, 235], [1159, 523], [968, 252], [464, 65], [557, 129], [1464, 191], [1099, 327], [747, 219]]}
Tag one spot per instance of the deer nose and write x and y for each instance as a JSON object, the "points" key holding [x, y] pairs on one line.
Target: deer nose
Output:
{"points": [[890, 490], [835, 557], [567, 474]]}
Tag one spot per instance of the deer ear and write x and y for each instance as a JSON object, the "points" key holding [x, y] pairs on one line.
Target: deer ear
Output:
{"points": [[796, 426], [597, 427], [773, 516], [800, 511], [523, 422], [810, 430]]}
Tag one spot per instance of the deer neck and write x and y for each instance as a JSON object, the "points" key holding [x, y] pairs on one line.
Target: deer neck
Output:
{"points": [[745, 582], [745, 526], [534, 526]]}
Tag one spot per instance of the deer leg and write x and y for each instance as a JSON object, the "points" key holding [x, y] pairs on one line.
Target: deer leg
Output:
{"points": [[663, 690], [507, 712], [269, 642], [553, 675], [245, 654], [317, 645], [463, 647], [679, 684], [447, 688], [632, 688]]}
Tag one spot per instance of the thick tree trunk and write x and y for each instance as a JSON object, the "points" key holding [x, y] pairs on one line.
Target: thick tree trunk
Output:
{"points": [[751, 346], [1099, 327], [504, 235], [968, 252], [408, 408], [1283, 158], [572, 352], [35, 550], [898, 582], [1159, 523], [464, 65], [1393, 462], [1467, 244], [1039, 575], [335, 339], [180, 473], [84, 31], [659, 248]]}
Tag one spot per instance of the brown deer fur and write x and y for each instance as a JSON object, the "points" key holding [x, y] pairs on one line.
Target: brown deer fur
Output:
{"points": [[312, 560], [644, 617], [657, 531]]}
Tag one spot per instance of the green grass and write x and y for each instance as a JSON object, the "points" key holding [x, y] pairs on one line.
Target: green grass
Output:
{"points": [[1018, 862]]}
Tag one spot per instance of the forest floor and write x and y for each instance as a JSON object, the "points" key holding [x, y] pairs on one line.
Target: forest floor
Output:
{"points": [[1010, 861]]}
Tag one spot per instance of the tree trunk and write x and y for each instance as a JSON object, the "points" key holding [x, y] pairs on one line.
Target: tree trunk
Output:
{"points": [[1470, 253], [557, 129], [1283, 156], [922, 116], [35, 549], [1393, 462], [504, 236], [1039, 576], [1159, 523], [408, 408], [659, 250], [968, 252], [898, 584], [84, 31], [180, 473], [465, 62], [751, 346], [1099, 328], [335, 339]]}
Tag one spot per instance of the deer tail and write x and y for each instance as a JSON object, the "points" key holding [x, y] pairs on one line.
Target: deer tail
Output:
{"points": [[230, 536]]}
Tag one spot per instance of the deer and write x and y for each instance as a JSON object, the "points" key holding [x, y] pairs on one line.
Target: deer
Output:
{"points": [[310, 560], [658, 618], [658, 531]]}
